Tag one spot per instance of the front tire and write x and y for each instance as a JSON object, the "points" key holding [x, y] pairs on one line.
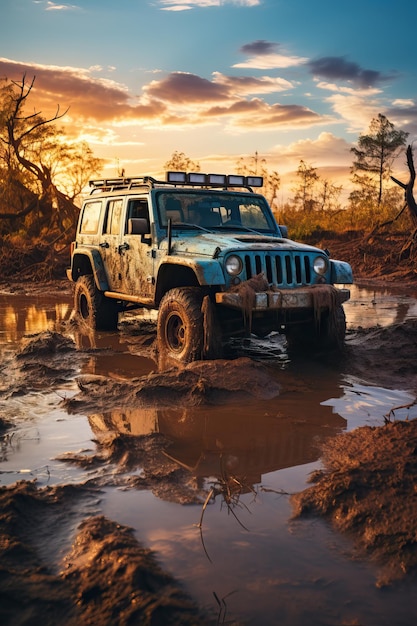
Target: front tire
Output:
{"points": [[97, 311], [328, 334], [182, 327]]}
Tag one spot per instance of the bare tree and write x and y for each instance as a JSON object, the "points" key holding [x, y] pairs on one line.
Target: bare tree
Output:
{"points": [[408, 187], [32, 154]]}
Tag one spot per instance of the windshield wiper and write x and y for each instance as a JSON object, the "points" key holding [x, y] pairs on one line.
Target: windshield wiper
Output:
{"points": [[242, 227], [190, 225]]}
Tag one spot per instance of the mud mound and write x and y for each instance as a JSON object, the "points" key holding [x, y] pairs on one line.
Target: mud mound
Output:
{"points": [[382, 256], [158, 473], [368, 490], [44, 360], [114, 580], [30, 591], [106, 577], [208, 382], [394, 346], [47, 343]]}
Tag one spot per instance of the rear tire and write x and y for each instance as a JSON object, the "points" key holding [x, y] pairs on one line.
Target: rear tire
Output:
{"points": [[97, 311]]}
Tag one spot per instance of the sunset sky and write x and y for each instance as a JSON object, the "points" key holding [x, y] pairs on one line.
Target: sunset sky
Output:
{"points": [[217, 79]]}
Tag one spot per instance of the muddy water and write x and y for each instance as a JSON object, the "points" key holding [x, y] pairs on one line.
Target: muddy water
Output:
{"points": [[240, 555]]}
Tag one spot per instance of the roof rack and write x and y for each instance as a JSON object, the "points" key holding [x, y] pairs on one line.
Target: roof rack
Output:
{"points": [[110, 184], [176, 179]]}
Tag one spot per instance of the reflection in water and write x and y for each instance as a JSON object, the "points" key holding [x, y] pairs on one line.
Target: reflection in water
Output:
{"points": [[370, 307], [237, 445], [363, 404], [272, 574], [21, 315]]}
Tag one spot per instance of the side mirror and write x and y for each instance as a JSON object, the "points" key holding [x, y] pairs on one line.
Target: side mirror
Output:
{"points": [[137, 226], [284, 231]]}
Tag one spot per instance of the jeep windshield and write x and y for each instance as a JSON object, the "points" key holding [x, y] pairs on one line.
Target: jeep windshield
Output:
{"points": [[209, 210]]}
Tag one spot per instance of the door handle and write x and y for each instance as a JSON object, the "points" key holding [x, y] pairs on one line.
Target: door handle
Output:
{"points": [[123, 246]]}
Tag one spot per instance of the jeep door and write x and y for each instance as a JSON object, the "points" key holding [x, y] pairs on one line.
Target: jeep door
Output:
{"points": [[110, 242], [137, 259]]}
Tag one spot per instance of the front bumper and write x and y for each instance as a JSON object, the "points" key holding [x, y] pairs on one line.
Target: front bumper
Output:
{"points": [[285, 299]]}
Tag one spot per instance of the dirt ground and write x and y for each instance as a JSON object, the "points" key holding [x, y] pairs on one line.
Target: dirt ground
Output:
{"points": [[367, 488]]}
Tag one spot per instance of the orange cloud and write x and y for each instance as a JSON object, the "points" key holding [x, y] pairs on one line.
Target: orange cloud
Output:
{"points": [[258, 114], [183, 88], [176, 100], [74, 88]]}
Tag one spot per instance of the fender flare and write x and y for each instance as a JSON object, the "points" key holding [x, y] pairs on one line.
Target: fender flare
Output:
{"points": [[207, 271], [341, 272], [96, 263]]}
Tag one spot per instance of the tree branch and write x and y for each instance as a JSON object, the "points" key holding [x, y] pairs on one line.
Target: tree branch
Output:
{"points": [[408, 187]]}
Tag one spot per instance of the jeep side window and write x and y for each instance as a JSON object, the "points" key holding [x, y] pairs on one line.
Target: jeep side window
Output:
{"points": [[90, 217], [136, 208], [111, 224]]}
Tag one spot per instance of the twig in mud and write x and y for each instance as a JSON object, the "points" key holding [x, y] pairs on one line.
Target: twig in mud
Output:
{"points": [[280, 492], [222, 606], [200, 524], [391, 413], [30, 472], [231, 497]]}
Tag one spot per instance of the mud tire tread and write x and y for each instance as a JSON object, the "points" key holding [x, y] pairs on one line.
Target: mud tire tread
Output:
{"points": [[97, 311], [180, 315], [329, 335]]}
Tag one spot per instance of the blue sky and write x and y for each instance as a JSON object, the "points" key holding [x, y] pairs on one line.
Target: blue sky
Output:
{"points": [[217, 79]]}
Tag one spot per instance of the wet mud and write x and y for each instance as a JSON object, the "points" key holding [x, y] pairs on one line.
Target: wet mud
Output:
{"points": [[368, 491], [98, 572], [385, 356], [201, 382], [104, 577]]}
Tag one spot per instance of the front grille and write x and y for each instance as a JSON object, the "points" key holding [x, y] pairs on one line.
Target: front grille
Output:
{"points": [[282, 269]]}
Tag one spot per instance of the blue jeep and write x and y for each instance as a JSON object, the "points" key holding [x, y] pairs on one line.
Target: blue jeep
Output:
{"points": [[207, 252]]}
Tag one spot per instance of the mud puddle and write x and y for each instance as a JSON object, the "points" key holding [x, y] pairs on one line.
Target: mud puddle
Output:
{"points": [[203, 478]]}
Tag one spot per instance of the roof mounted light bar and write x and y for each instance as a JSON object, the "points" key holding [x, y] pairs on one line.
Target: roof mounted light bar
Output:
{"points": [[213, 180], [176, 178]]}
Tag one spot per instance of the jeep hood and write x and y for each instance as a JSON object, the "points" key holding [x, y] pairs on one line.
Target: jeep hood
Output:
{"points": [[205, 244]]}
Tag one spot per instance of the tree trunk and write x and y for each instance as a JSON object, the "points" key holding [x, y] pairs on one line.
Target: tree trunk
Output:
{"points": [[408, 187]]}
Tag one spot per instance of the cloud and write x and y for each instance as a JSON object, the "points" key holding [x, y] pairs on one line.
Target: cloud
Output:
{"points": [[86, 97], [355, 109], [267, 56], [337, 68], [52, 6], [257, 114], [192, 99], [247, 85], [186, 5], [181, 87], [177, 101], [316, 151], [348, 90], [404, 104], [403, 113], [259, 47]]}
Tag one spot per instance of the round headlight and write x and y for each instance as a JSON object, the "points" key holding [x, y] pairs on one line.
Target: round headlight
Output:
{"points": [[233, 265], [320, 265]]}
